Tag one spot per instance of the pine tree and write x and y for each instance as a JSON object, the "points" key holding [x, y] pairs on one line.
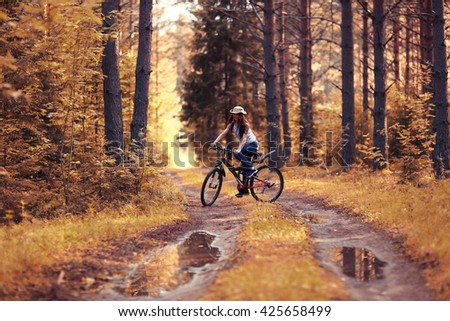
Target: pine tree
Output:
{"points": [[348, 91], [306, 107], [365, 67], [141, 96], [112, 95], [441, 148], [272, 113], [379, 112], [283, 78], [219, 71]]}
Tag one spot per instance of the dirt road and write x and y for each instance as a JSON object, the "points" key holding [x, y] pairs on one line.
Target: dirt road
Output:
{"points": [[188, 257], [186, 262], [369, 261]]}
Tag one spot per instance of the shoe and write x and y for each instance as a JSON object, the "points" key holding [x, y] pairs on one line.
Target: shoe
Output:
{"points": [[242, 193]]}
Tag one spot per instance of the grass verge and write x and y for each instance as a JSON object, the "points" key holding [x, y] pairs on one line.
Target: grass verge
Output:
{"points": [[420, 214], [26, 247], [274, 262]]}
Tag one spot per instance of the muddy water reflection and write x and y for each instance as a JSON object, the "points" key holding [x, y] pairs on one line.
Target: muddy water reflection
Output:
{"points": [[171, 267], [196, 251], [359, 263]]}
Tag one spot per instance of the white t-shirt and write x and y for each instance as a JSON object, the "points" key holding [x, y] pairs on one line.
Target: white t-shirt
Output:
{"points": [[250, 136]]}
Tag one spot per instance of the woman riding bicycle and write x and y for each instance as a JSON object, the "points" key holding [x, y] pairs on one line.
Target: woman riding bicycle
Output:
{"points": [[248, 144]]}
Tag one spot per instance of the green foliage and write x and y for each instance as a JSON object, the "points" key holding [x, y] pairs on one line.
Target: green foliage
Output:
{"points": [[52, 111], [411, 137], [364, 152], [220, 76], [26, 248]]}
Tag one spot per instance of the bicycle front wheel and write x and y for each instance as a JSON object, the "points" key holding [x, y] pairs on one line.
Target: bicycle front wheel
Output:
{"points": [[211, 187], [267, 184]]}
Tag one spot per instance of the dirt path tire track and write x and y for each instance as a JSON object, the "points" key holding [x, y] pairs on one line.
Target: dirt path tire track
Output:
{"points": [[224, 220], [332, 229]]}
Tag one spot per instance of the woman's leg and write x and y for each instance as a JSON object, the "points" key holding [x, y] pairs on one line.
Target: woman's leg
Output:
{"points": [[244, 160], [250, 149], [244, 157]]}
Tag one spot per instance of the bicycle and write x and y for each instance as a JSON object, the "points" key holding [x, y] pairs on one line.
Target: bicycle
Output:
{"points": [[265, 185]]}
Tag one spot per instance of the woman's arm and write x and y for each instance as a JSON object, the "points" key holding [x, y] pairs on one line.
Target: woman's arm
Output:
{"points": [[222, 135]]}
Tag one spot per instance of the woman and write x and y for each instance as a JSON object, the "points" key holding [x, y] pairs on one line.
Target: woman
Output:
{"points": [[248, 144]]}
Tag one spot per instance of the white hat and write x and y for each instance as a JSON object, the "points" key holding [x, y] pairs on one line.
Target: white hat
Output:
{"points": [[238, 110]]}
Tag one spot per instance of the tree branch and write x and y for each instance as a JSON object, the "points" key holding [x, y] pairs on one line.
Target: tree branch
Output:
{"points": [[365, 9], [389, 87], [336, 85], [394, 6], [257, 61]]}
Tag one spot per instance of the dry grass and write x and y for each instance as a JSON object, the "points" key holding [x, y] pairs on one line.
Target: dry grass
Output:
{"points": [[26, 247], [195, 177], [420, 214], [274, 262]]}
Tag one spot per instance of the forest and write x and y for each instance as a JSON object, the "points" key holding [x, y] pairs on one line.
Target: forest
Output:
{"points": [[108, 109]]}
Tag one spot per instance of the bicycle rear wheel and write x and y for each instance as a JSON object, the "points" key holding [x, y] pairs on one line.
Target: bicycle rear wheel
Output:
{"points": [[211, 187], [267, 184]]}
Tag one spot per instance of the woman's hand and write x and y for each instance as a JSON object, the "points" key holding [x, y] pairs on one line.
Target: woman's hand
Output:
{"points": [[236, 151]]}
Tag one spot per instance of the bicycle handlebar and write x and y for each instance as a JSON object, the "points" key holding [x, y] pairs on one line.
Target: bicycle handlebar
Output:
{"points": [[218, 147]]}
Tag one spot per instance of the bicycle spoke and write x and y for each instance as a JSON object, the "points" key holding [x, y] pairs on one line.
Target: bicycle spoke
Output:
{"points": [[267, 184], [211, 187]]}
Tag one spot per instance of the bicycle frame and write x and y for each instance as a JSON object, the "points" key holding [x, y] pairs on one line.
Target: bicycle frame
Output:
{"points": [[235, 170], [260, 184], [224, 161]]}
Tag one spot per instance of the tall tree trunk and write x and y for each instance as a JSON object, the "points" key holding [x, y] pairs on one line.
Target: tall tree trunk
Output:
{"points": [[282, 48], [272, 114], [228, 90], [396, 63], [426, 44], [143, 70], [408, 53], [348, 89], [379, 112], [256, 120], [306, 118], [365, 62], [441, 148], [130, 27], [112, 95]]}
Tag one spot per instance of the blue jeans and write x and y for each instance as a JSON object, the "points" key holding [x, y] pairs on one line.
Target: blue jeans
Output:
{"points": [[244, 156]]}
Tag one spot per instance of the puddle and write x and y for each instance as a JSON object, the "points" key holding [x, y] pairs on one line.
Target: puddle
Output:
{"points": [[359, 263], [196, 251], [170, 267]]}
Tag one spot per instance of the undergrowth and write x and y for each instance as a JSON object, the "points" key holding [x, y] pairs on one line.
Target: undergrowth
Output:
{"points": [[26, 247]]}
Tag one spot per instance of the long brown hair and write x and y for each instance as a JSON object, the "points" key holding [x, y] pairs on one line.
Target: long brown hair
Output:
{"points": [[242, 123]]}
